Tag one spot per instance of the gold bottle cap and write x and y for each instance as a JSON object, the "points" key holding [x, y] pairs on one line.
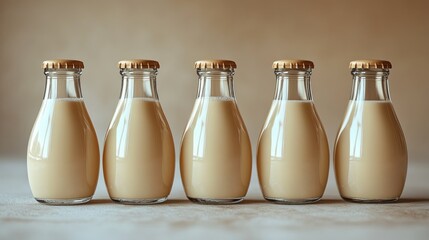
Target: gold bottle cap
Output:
{"points": [[138, 64], [62, 64], [370, 64], [215, 64], [293, 64]]}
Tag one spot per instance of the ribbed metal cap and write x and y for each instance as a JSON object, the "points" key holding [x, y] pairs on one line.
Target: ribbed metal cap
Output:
{"points": [[62, 64], [370, 64], [293, 64], [138, 64], [215, 64]]}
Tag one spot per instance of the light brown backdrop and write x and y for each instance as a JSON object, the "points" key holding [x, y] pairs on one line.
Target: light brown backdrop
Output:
{"points": [[177, 33]]}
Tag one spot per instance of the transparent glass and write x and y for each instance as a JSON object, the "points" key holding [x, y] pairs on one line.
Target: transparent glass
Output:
{"points": [[293, 152], [292, 84], [216, 155], [370, 153], [139, 158], [63, 154]]}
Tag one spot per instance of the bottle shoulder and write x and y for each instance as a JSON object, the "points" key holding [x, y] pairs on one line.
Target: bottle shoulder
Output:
{"points": [[139, 114]]}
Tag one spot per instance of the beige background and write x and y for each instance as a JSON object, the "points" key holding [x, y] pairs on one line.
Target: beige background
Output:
{"points": [[177, 33]]}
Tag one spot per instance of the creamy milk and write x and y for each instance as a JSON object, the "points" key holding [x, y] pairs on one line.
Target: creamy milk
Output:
{"points": [[138, 152], [370, 153], [293, 153], [63, 155], [216, 157]]}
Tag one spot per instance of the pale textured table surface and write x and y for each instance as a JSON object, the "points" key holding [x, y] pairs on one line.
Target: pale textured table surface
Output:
{"points": [[21, 217]]}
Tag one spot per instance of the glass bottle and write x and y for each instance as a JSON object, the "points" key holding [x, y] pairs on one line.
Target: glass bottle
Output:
{"points": [[293, 152], [370, 154], [138, 158], [63, 155], [215, 157]]}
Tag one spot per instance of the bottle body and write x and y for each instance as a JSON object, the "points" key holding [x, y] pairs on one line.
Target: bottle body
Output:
{"points": [[370, 153], [139, 157], [216, 153], [215, 156], [293, 152], [63, 154]]}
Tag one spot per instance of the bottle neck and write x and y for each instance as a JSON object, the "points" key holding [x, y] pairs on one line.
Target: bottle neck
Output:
{"points": [[139, 83], [293, 84], [215, 83], [369, 84], [62, 84]]}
